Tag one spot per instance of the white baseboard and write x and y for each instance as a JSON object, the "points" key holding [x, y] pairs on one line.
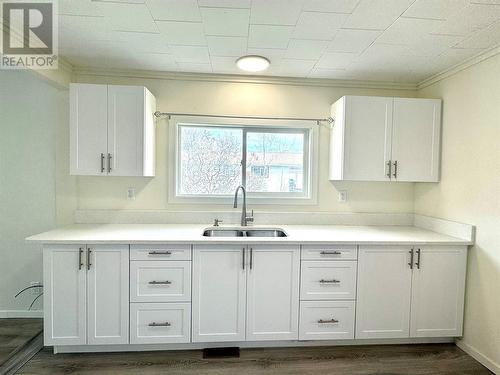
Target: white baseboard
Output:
{"points": [[478, 356], [21, 314]]}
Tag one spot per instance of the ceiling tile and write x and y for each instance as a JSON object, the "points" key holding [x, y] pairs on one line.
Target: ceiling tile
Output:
{"points": [[142, 42], [273, 54], [433, 45], [225, 3], [336, 60], [408, 30], [291, 67], [225, 22], [485, 38], [433, 9], [353, 40], [376, 14], [79, 8], [306, 49], [275, 12], [469, 20], [321, 26], [190, 54], [158, 61], [83, 28], [226, 65], [327, 73], [174, 10], [183, 33], [334, 6], [227, 45], [269, 36], [194, 68], [120, 17]]}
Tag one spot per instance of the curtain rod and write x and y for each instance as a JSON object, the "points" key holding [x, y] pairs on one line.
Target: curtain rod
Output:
{"points": [[318, 121]]}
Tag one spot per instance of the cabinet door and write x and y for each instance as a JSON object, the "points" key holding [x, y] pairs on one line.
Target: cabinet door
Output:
{"points": [[130, 131], [108, 294], [219, 293], [88, 129], [384, 290], [273, 293], [416, 139], [367, 137], [64, 295], [438, 289]]}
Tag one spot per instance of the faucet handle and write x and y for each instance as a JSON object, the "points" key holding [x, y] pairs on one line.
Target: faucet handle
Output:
{"points": [[217, 222]]}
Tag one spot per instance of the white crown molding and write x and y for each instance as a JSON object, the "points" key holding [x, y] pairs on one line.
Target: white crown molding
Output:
{"points": [[459, 67], [205, 77]]}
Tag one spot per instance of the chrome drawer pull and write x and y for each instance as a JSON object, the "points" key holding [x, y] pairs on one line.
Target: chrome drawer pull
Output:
{"points": [[331, 253], [332, 281], [166, 282], [154, 324], [157, 252], [321, 321]]}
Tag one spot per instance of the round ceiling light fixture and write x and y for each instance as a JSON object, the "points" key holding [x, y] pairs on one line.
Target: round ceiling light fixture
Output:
{"points": [[253, 63]]}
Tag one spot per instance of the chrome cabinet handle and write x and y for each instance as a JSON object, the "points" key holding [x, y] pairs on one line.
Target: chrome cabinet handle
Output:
{"points": [[243, 257], [411, 259], [251, 258], [418, 258], [389, 168], [89, 251], [157, 252], [102, 163], [321, 321], [395, 174], [331, 252], [109, 162], [80, 258], [154, 282], [332, 281], [154, 324]]}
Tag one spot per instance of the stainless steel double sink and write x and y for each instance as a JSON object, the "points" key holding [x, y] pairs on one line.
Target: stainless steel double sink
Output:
{"points": [[243, 232]]}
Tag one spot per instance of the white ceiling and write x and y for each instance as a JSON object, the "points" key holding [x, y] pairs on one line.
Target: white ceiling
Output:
{"points": [[379, 40]]}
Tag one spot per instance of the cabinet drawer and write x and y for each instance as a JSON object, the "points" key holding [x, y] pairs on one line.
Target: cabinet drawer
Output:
{"points": [[160, 281], [160, 323], [328, 280], [326, 320], [329, 252], [160, 252]]}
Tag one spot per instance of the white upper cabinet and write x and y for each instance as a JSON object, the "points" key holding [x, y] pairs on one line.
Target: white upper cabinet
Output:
{"points": [[112, 130], [385, 139], [416, 134]]}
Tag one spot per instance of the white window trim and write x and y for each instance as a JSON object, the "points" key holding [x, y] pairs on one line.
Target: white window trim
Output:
{"points": [[253, 198]]}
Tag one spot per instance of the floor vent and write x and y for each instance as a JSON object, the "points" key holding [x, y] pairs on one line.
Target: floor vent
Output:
{"points": [[233, 352]]}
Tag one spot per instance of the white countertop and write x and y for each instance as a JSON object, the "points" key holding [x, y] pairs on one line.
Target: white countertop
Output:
{"points": [[192, 234]]}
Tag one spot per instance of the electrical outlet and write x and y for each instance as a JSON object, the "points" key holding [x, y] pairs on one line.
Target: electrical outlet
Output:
{"points": [[35, 291], [342, 197], [131, 194]]}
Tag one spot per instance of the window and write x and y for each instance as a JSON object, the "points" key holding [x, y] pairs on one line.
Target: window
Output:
{"points": [[271, 162]]}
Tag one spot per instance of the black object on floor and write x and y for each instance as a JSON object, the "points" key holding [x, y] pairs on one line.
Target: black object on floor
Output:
{"points": [[233, 352]]}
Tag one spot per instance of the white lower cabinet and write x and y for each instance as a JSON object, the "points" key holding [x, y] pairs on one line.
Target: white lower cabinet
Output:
{"points": [[160, 323], [86, 294], [273, 293], [326, 320], [219, 293], [438, 289], [245, 293], [410, 291]]}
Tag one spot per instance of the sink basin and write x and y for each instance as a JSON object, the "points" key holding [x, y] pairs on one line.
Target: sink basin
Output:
{"points": [[240, 232]]}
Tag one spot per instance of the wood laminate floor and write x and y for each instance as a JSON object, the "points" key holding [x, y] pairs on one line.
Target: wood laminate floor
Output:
{"points": [[15, 333], [435, 359]]}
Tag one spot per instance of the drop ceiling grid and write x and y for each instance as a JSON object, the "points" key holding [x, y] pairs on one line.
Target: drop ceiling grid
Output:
{"points": [[377, 40]]}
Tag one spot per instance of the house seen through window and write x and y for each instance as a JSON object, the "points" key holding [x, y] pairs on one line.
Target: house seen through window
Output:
{"points": [[213, 160]]}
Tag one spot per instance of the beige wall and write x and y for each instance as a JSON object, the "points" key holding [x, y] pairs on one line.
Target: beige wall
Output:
{"points": [[470, 191], [242, 99]]}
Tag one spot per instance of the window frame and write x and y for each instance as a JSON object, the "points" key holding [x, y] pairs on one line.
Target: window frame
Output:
{"points": [[310, 161]]}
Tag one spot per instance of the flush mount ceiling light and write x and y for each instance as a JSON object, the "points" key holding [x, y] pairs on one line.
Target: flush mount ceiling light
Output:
{"points": [[253, 63]]}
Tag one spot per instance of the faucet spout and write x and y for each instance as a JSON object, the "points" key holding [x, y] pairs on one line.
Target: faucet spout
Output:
{"points": [[244, 218]]}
